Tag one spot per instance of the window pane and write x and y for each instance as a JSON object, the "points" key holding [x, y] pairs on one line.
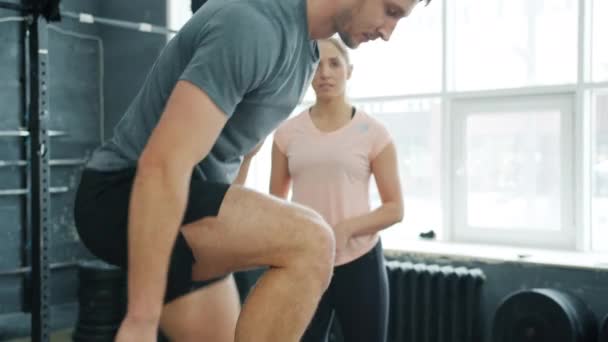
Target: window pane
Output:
{"points": [[512, 43], [599, 36], [409, 63], [415, 126], [600, 174], [179, 12], [513, 164]]}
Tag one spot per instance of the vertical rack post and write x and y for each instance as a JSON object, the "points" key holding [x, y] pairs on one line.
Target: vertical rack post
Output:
{"points": [[40, 176]]}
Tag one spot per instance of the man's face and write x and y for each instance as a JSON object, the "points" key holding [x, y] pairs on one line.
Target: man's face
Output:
{"points": [[365, 20]]}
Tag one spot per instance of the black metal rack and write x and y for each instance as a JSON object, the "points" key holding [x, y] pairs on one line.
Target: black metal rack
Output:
{"points": [[36, 14], [40, 177]]}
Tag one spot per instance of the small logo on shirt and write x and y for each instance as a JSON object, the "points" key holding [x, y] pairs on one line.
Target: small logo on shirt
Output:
{"points": [[363, 127]]}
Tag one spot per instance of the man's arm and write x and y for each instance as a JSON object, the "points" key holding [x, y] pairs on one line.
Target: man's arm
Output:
{"points": [[185, 134]]}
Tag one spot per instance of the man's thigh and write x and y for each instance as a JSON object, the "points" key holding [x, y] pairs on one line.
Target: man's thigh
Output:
{"points": [[207, 314], [251, 229]]}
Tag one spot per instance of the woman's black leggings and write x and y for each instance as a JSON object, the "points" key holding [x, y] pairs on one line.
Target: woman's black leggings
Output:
{"points": [[358, 296]]}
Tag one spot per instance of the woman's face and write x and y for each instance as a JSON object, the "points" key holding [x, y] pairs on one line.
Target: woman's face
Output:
{"points": [[332, 73]]}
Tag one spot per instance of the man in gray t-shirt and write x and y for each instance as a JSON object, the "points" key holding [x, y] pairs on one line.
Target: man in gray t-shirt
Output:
{"points": [[255, 80], [163, 197]]}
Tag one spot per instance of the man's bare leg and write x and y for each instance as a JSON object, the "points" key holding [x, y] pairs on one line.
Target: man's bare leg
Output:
{"points": [[252, 230], [208, 314]]}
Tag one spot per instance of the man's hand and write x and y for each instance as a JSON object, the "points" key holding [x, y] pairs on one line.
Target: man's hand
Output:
{"points": [[132, 330]]}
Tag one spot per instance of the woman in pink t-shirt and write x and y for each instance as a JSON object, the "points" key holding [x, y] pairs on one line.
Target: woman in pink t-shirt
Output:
{"points": [[326, 156]]}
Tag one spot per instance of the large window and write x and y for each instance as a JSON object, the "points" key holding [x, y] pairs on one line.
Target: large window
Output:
{"points": [[414, 67], [599, 35], [600, 173], [511, 170], [178, 13], [409, 64], [511, 43]]}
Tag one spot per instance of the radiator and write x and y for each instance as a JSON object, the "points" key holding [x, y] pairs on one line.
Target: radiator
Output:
{"points": [[431, 303]]}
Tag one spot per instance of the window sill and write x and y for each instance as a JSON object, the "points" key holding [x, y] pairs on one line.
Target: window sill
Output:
{"points": [[497, 254]]}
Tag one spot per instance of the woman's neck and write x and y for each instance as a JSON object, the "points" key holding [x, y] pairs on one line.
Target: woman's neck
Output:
{"points": [[331, 110]]}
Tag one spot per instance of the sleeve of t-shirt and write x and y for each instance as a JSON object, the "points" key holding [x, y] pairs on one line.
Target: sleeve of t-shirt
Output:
{"points": [[380, 139], [236, 52], [281, 136]]}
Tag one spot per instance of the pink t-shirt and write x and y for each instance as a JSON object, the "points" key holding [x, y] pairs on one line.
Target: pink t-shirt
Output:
{"points": [[331, 171]]}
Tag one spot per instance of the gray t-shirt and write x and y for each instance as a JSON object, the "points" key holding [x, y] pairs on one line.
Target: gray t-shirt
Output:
{"points": [[254, 59]]}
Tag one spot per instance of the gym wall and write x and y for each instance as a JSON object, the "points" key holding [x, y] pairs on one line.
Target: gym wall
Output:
{"points": [[94, 71]]}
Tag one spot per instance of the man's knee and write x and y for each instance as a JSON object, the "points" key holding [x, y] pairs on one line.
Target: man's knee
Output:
{"points": [[317, 243]]}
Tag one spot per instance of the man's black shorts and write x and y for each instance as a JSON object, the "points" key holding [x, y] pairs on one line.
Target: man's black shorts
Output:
{"points": [[101, 212]]}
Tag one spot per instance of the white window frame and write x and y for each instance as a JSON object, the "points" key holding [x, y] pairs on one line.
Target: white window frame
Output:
{"points": [[178, 11], [564, 236], [592, 109]]}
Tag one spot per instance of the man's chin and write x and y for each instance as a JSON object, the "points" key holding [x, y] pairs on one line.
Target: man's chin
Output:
{"points": [[354, 45], [348, 40]]}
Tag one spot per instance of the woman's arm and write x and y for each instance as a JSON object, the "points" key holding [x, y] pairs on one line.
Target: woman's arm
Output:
{"points": [[385, 171], [280, 180], [241, 178]]}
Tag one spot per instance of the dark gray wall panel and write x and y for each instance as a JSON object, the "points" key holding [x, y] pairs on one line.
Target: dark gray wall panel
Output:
{"points": [[129, 54], [10, 177], [75, 107], [11, 149], [10, 74], [10, 293], [11, 216]]}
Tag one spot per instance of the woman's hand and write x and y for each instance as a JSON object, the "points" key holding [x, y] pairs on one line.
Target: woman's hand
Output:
{"points": [[343, 236]]}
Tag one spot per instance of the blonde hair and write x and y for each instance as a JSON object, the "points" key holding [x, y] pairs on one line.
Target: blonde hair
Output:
{"points": [[341, 48]]}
